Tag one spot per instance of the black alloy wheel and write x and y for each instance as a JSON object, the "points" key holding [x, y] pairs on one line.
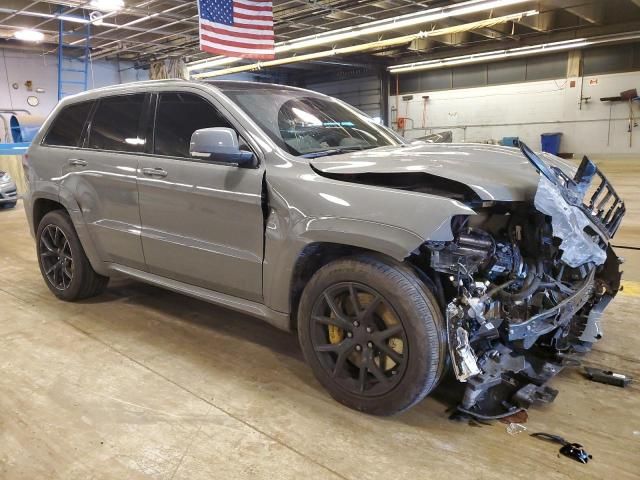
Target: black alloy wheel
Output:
{"points": [[62, 260], [359, 339], [56, 257], [372, 333]]}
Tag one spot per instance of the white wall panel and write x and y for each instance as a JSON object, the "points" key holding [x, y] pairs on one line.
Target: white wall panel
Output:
{"points": [[526, 110], [18, 67]]}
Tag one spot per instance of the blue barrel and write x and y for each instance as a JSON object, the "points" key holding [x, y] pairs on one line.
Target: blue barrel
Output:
{"points": [[24, 127], [551, 142], [510, 141]]}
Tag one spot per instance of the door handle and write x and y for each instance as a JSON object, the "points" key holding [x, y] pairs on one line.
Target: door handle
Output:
{"points": [[154, 172], [77, 162]]}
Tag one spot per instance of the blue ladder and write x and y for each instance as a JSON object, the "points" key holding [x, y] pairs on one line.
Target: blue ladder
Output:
{"points": [[75, 79]]}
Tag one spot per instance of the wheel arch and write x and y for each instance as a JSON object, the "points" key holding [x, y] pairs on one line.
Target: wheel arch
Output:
{"points": [[291, 260], [44, 204]]}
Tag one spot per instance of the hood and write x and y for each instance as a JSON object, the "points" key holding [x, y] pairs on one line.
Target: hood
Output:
{"points": [[494, 173]]}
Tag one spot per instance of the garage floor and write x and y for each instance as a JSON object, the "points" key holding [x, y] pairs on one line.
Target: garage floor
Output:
{"points": [[143, 383]]}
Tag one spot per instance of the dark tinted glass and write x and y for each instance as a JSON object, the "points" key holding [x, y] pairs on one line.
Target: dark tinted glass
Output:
{"points": [[547, 66], [470, 76], [599, 60], [116, 123], [67, 128], [312, 125], [179, 115]]}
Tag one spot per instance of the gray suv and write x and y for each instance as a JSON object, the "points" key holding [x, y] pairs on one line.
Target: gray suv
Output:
{"points": [[395, 262]]}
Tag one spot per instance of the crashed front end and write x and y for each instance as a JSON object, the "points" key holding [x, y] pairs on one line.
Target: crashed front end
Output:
{"points": [[525, 286]]}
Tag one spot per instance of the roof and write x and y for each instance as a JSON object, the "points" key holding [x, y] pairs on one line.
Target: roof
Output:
{"points": [[148, 85]]}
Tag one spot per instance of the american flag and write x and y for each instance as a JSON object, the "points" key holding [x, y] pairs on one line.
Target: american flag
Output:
{"points": [[237, 28]]}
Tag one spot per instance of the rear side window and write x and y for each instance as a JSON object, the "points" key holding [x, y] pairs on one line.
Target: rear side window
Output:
{"points": [[66, 130], [179, 115], [116, 124]]}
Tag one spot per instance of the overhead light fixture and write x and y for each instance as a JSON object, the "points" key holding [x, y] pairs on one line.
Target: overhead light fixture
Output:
{"points": [[72, 19], [29, 35], [107, 5], [511, 52], [378, 26], [96, 18]]}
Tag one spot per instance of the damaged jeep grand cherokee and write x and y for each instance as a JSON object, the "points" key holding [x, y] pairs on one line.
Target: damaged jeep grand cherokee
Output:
{"points": [[395, 262]]}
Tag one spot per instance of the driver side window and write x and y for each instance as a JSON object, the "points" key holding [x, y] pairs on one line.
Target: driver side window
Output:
{"points": [[178, 116]]}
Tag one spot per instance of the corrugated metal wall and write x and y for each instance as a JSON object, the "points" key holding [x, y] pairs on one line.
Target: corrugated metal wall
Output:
{"points": [[363, 93]]}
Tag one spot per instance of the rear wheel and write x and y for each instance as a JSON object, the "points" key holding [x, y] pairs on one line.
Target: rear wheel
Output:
{"points": [[63, 263], [372, 333]]}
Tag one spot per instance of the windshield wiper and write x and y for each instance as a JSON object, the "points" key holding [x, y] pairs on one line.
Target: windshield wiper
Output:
{"points": [[335, 151]]}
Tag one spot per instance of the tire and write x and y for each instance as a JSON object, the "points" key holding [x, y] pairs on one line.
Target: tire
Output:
{"points": [[9, 205], [57, 243], [406, 307]]}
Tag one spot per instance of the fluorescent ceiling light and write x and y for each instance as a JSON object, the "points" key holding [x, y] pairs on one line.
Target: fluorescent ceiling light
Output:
{"points": [[498, 54], [107, 5], [378, 26], [28, 35], [72, 19]]}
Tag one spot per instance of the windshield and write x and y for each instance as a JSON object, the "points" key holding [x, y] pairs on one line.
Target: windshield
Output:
{"points": [[310, 125]]}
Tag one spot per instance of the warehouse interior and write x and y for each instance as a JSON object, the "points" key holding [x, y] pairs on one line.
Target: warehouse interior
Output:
{"points": [[159, 376]]}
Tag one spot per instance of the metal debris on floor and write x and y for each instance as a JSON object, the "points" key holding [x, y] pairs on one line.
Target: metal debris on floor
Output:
{"points": [[574, 451], [515, 428], [607, 376]]}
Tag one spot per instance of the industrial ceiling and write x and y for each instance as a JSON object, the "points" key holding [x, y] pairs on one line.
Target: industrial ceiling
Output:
{"points": [[151, 30]]}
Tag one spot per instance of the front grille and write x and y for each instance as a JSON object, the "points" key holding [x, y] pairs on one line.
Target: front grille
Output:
{"points": [[10, 194], [601, 203]]}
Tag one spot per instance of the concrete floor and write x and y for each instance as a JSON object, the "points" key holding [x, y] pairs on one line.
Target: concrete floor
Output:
{"points": [[142, 383]]}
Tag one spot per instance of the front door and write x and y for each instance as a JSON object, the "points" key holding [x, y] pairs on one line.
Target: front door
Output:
{"points": [[202, 223]]}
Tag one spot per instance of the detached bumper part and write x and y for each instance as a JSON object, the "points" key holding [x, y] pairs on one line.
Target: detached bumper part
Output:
{"points": [[510, 382], [607, 377]]}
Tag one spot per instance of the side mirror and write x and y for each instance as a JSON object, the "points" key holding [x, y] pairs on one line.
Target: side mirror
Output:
{"points": [[220, 144]]}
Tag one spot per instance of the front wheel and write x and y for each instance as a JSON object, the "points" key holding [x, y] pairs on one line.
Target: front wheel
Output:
{"points": [[372, 333]]}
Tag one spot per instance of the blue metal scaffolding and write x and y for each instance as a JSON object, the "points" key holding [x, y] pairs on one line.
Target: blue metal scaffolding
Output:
{"points": [[74, 78]]}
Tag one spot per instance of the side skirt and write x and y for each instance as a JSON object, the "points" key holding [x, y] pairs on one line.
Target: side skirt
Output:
{"points": [[277, 319]]}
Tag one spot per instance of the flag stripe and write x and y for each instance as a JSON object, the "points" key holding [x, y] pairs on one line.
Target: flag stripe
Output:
{"points": [[242, 18], [240, 44], [236, 51], [251, 13], [253, 4], [252, 8], [245, 35], [259, 29]]}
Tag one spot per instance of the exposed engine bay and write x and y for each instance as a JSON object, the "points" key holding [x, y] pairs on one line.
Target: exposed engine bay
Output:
{"points": [[524, 286]]}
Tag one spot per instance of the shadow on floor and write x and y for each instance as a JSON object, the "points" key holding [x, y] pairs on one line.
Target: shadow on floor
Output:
{"points": [[187, 312]]}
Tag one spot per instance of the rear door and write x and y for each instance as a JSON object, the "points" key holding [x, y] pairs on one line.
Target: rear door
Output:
{"points": [[202, 223], [103, 176]]}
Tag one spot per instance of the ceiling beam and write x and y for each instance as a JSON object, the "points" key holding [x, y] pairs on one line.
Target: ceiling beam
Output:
{"points": [[543, 22], [591, 11]]}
